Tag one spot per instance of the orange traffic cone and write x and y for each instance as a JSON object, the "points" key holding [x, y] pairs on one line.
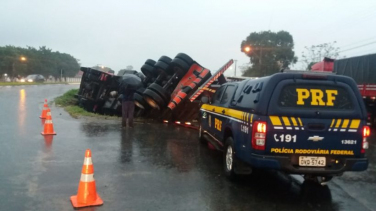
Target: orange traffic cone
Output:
{"points": [[48, 125], [87, 193], [44, 111]]}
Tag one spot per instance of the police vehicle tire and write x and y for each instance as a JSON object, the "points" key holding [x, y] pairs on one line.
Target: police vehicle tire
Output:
{"points": [[179, 64], [150, 62], [229, 159], [159, 90], [201, 136], [185, 57], [148, 69], [155, 97]]}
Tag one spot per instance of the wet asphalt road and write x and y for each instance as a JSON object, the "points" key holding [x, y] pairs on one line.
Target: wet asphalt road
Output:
{"points": [[152, 167]]}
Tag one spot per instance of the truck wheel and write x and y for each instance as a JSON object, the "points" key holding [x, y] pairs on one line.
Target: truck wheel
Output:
{"points": [[153, 99], [200, 136], [150, 62], [159, 90], [180, 65], [185, 57], [139, 101], [164, 65], [165, 59], [148, 70], [229, 159]]}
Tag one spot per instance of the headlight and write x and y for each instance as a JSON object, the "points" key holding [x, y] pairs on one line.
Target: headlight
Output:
{"points": [[22, 80], [30, 80]]}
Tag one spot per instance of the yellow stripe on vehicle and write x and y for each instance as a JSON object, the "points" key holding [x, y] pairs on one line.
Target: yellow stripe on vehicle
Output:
{"points": [[251, 118], [355, 123], [345, 123], [286, 121], [331, 125], [338, 123], [300, 122], [275, 120], [293, 120]]}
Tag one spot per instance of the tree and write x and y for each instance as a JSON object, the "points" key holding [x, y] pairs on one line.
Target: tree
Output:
{"points": [[316, 53], [268, 52], [36, 61]]}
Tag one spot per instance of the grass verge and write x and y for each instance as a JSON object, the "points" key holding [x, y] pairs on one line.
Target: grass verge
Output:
{"points": [[69, 103]]}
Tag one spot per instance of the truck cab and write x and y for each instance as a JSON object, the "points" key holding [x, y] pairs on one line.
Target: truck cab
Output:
{"points": [[297, 122]]}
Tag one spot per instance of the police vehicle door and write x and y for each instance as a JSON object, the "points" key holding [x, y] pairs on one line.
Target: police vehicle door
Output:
{"points": [[211, 114], [221, 119]]}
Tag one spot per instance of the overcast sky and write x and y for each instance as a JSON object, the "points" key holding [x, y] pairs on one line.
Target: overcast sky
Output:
{"points": [[120, 33]]}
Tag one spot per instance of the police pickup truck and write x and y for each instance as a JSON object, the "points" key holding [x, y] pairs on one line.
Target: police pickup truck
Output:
{"points": [[312, 124]]}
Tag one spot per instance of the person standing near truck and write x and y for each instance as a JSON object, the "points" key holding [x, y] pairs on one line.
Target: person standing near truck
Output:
{"points": [[127, 104]]}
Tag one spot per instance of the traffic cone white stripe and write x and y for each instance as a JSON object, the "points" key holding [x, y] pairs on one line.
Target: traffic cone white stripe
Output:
{"points": [[87, 177], [48, 122], [87, 161]]}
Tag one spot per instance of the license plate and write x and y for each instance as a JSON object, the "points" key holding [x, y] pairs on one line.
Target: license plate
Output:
{"points": [[312, 161]]}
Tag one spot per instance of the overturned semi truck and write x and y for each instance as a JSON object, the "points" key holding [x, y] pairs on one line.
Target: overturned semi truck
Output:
{"points": [[171, 92]]}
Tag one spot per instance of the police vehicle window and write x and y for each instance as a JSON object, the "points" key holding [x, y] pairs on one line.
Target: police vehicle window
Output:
{"points": [[228, 94], [315, 96], [218, 94]]}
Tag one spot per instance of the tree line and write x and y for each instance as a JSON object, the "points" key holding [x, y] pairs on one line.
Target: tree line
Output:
{"points": [[269, 52], [18, 61]]}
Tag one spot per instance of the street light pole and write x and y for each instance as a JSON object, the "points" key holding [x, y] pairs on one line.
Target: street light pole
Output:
{"points": [[235, 65]]}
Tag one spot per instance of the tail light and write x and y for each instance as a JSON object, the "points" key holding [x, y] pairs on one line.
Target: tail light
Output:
{"points": [[366, 133], [259, 135]]}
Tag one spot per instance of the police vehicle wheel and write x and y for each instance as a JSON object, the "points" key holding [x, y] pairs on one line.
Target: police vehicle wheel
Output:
{"points": [[320, 180], [153, 99], [180, 65], [229, 159], [200, 136], [185, 57], [159, 90]]}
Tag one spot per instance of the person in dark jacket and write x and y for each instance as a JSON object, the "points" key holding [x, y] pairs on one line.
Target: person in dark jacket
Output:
{"points": [[127, 105]]}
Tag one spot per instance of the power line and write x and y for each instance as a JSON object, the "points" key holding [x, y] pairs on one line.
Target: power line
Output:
{"points": [[371, 38], [357, 47]]}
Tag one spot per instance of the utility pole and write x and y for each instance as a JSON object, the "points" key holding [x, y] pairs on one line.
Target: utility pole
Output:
{"points": [[261, 70], [235, 66]]}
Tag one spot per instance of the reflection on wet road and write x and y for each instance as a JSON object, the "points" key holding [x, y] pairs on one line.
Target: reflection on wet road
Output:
{"points": [[150, 167]]}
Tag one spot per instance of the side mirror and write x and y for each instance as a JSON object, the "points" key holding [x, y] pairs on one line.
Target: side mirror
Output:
{"points": [[204, 99]]}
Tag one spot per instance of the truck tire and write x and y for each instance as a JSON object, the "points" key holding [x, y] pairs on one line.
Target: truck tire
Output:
{"points": [[153, 99], [229, 159], [179, 64], [185, 57], [165, 59], [163, 64], [148, 70], [139, 101], [159, 90], [150, 62]]}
